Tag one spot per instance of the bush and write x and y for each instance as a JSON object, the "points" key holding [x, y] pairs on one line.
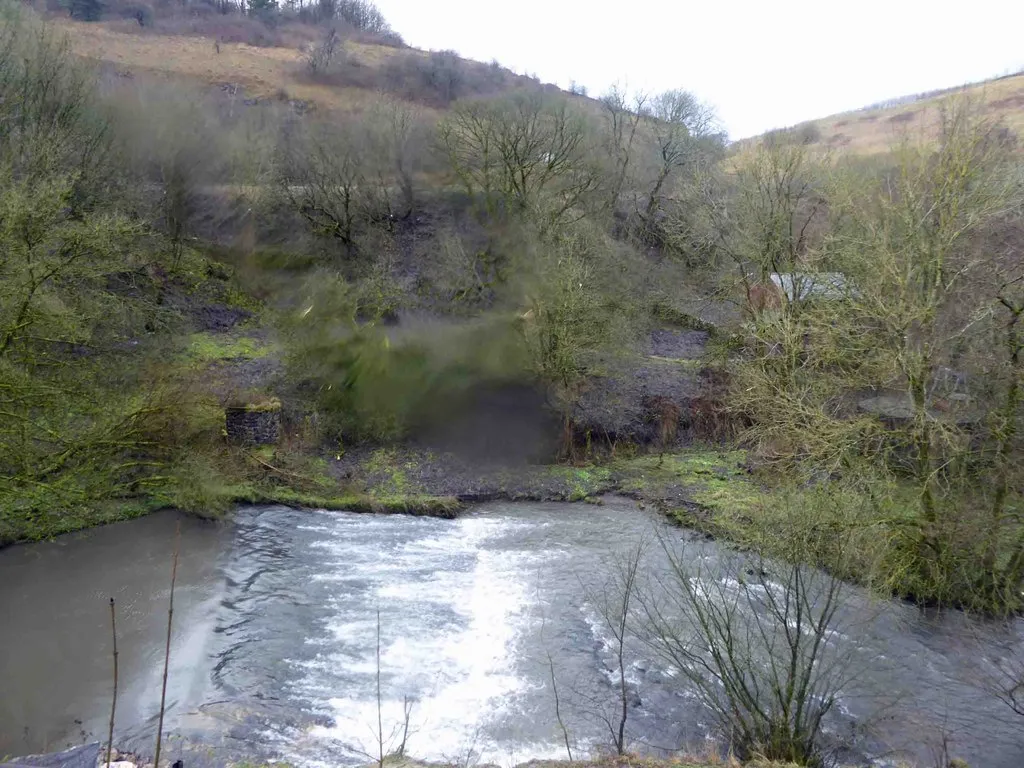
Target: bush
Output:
{"points": [[435, 78], [754, 642]]}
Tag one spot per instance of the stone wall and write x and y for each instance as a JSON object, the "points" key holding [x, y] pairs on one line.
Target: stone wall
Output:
{"points": [[253, 425]]}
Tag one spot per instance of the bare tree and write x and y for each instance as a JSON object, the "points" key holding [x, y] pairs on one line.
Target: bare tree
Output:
{"points": [[350, 179], [526, 152], [755, 646], [768, 215], [174, 143], [321, 57], [615, 603], [623, 117], [680, 124], [396, 137], [323, 177]]}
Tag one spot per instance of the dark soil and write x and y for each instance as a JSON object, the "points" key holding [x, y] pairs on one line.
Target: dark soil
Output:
{"points": [[633, 401], [679, 344]]}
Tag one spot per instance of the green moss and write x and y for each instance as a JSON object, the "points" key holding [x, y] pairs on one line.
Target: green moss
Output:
{"points": [[414, 504], [208, 347], [584, 482], [260, 405], [39, 524], [664, 312], [393, 475], [715, 480]]}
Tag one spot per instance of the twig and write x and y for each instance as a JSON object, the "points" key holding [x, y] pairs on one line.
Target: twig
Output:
{"points": [[558, 706], [272, 468], [167, 649], [407, 705], [113, 703], [380, 721]]}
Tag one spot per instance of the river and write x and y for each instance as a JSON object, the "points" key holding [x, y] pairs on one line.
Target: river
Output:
{"points": [[276, 635]]}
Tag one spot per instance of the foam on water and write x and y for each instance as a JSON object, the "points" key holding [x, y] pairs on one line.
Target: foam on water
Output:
{"points": [[459, 607], [474, 614]]}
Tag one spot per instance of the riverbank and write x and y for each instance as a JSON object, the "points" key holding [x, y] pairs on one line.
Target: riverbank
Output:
{"points": [[690, 485]]}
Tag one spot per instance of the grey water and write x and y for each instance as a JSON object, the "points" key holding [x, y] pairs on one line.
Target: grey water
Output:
{"points": [[281, 615]]}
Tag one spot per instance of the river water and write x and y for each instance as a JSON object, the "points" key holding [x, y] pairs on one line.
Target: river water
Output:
{"points": [[281, 616]]}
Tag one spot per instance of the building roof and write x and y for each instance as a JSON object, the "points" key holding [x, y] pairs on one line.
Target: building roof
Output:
{"points": [[799, 286]]}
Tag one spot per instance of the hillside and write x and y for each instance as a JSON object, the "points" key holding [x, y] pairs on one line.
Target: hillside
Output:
{"points": [[277, 68], [874, 129], [250, 67]]}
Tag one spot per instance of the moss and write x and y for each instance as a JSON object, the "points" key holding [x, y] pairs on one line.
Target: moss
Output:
{"points": [[712, 479], [39, 524], [415, 504], [392, 473], [260, 405], [208, 347], [584, 482], [664, 312]]}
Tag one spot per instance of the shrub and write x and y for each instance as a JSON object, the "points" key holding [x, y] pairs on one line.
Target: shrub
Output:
{"points": [[754, 643], [435, 78], [363, 15]]}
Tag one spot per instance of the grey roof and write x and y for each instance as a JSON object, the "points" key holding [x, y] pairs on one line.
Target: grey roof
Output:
{"points": [[799, 286]]}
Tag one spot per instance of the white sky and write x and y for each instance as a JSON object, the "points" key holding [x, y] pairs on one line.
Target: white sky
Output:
{"points": [[762, 63]]}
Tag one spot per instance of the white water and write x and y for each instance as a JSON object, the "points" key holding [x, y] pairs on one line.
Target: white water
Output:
{"points": [[457, 670], [274, 652]]}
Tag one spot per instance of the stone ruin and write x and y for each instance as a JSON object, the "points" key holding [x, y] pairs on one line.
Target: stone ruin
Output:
{"points": [[255, 423]]}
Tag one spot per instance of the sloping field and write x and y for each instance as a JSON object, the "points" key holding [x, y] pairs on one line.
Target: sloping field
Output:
{"points": [[873, 131], [262, 72]]}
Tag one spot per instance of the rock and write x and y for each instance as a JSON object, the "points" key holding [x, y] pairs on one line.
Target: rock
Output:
{"points": [[118, 764], [85, 756]]}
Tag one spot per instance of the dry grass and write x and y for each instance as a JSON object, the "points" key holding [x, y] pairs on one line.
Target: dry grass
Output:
{"points": [[871, 132], [263, 73], [279, 72]]}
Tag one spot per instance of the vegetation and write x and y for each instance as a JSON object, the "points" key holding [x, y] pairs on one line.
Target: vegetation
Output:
{"points": [[925, 307], [363, 267], [755, 650], [533, 266]]}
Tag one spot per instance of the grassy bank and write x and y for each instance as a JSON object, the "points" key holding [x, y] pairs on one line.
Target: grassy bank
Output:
{"points": [[704, 488]]}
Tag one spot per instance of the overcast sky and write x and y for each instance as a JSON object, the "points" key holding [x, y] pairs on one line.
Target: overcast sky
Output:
{"points": [[762, 63]]}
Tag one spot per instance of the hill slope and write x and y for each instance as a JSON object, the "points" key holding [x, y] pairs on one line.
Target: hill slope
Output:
{"points": [[874, 129], [358, 71]]}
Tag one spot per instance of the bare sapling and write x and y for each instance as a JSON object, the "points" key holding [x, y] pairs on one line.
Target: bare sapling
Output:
{"points": [[555, 693], [380, 719], [407, 705], [395, 742], [755, 642], [558, 707], [615, 604], [167, 648], [113, 702]]}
